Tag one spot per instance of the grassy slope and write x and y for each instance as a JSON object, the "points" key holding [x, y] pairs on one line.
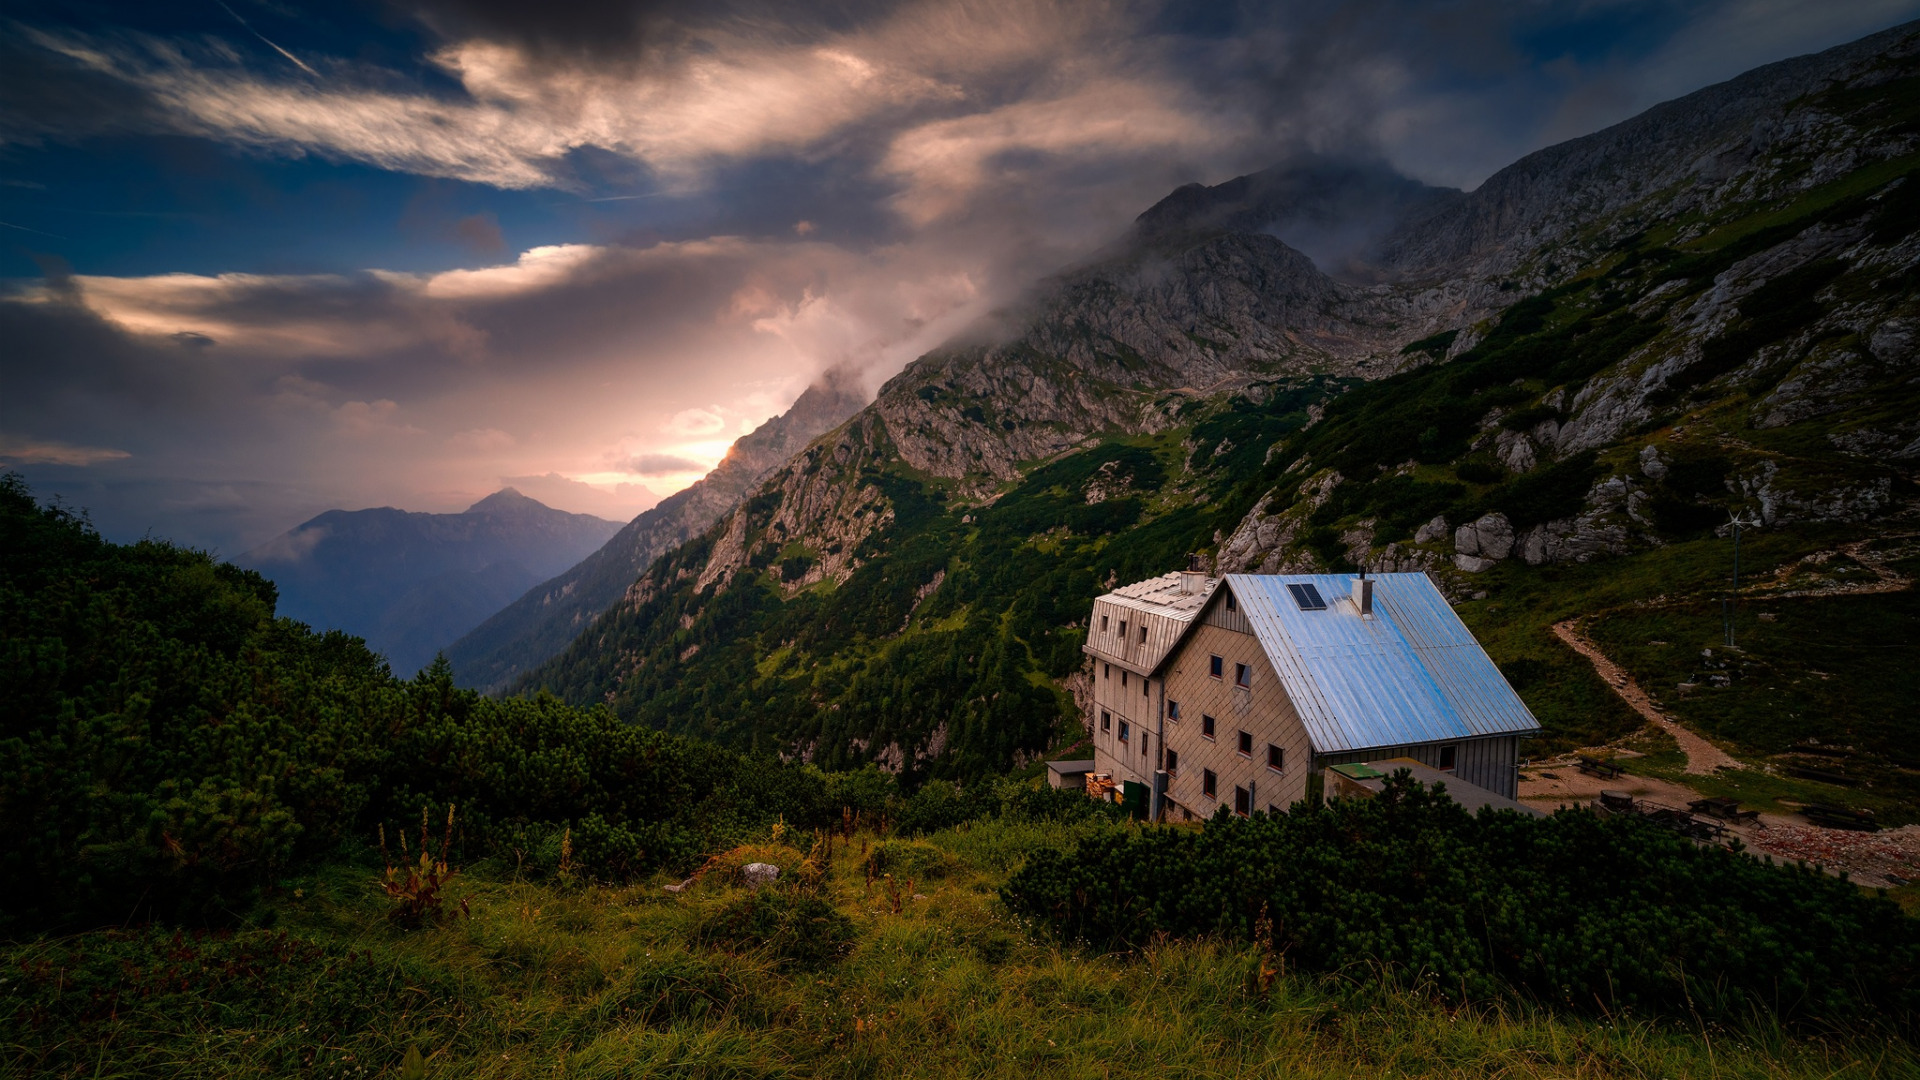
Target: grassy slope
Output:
{"points": [[590, 981]]}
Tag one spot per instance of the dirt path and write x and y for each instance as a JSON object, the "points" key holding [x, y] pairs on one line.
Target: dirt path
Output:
{"points": [[1702, 756]]}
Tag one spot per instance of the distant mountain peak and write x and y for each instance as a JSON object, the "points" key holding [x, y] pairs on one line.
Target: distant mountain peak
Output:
{"points": [[508, 500]]}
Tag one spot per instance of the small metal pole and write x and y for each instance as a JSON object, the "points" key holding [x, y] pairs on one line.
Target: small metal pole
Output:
{"points": [[1733, 597], [1736, 579]]}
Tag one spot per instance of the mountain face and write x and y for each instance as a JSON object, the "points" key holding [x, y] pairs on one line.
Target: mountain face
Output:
{"points": [[1592, 359], [411, 583], [538, 624]]}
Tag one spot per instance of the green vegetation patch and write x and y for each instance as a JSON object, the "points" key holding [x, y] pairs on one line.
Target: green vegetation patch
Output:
{"points": [[1586, 912], [1838, 672]]}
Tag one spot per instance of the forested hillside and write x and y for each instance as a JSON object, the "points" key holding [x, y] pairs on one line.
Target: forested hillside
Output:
{"points": [[202, 807], [171, 748], [1550, 394]]}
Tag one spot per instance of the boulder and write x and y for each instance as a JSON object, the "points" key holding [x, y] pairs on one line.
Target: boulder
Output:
{"points": [[1651, 463], [1431, 531], [1515, 451], [1489, 537], [1473, 564], [757, 874]]}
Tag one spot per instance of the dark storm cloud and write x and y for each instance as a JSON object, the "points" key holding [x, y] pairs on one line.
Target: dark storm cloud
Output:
{"points": [[621, 32], [838, 186]]}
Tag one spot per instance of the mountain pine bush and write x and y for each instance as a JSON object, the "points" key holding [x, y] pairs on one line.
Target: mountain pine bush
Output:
{"points": [[1576, 910]]}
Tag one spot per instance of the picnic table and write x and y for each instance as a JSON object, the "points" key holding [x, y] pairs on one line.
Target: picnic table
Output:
{"points": [[1723, 808], [1600, 767], [1682, 822], [1840, 817]]}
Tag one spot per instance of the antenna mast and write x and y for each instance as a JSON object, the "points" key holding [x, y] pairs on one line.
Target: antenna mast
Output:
{"points": [[1734, 521]]}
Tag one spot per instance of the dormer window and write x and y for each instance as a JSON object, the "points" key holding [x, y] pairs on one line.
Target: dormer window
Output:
{"points": [[1103, 624]]}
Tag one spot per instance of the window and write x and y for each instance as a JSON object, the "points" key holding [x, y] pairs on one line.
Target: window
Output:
{"points": [[1206, 725], [1143, 686], [1246, 744], [1123, 629], [1146, 745], [1447, 757], [1306, 597], [1276, 758], [1208, 782], [1242, 675], [1143, 635], [1125, 730], [1213, 666], [1106, 720], [1173, 762], [1106, 671], [1173, 710], [1242, 801], [1123, 676], [1103, 624], [1231, 606]]}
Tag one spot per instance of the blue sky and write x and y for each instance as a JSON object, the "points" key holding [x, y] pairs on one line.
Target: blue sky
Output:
{"points": [[262, 258]]}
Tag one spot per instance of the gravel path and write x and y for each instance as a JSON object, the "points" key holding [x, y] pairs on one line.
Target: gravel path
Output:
{"points": [[1702, 756]]}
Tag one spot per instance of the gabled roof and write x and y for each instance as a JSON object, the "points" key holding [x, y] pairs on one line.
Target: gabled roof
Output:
{"points": [[1164, 605], [1412, 673]]}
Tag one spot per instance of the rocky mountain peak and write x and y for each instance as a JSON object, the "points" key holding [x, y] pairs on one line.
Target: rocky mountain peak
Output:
{"points": [[1333, 210]]}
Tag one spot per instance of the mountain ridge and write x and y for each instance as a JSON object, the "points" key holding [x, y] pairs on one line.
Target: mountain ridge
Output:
{"points": [[543, 619], [411, 582], [1609, 342]]}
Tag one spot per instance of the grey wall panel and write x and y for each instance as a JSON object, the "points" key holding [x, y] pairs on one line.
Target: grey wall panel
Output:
{"points": [[1491, 763]]}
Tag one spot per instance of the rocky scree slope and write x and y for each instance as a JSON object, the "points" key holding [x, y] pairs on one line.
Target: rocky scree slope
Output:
{"points": [[541, 622], [1599, 353]]}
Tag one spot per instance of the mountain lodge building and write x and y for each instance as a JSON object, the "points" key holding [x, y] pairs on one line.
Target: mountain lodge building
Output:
{"points": [[1242, 691]]}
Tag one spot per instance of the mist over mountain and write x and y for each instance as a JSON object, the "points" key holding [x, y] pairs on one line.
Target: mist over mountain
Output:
{"points": [[1593, 358], [525, 633], [410, 583]]}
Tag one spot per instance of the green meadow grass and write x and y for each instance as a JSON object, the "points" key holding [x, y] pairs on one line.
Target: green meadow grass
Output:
{"points": [[602, 981]]}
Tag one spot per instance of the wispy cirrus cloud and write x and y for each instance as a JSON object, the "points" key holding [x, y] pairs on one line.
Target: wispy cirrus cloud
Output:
{"points": [[17, 451]]}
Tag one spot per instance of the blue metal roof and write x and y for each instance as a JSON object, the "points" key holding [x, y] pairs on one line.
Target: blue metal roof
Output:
{"points": [[1412, 673]]}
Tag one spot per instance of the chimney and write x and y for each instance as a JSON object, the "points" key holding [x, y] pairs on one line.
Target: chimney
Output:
{"points": [[1194, 578], [1363, 595]]}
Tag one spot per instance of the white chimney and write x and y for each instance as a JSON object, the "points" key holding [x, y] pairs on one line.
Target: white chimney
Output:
{"points": [[1363, 595], [1194, 578]]}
